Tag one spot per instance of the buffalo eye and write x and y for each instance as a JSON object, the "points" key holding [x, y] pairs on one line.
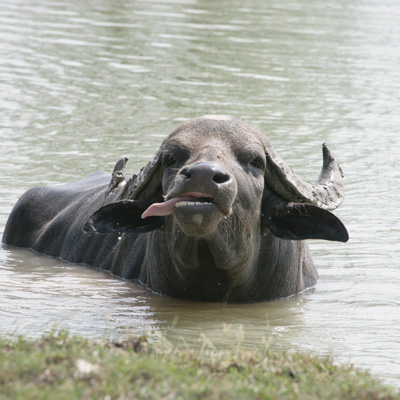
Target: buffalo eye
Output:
{"points": [[258, 163], [169, 160]]}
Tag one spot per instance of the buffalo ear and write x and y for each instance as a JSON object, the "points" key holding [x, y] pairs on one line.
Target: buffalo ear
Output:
{"points": [[122, 216], [299, 221]]}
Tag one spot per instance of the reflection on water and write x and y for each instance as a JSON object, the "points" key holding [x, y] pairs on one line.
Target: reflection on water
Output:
{"points": [[43, 293], [82, 84]]}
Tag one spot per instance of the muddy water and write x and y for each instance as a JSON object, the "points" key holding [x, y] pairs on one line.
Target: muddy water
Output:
{"points": [[82, 84]]}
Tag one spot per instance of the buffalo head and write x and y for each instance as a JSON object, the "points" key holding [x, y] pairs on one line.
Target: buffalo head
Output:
{"points": [[218, 195]]}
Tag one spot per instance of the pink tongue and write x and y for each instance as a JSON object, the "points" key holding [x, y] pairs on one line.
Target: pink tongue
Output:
{"points": [[166, 208]]}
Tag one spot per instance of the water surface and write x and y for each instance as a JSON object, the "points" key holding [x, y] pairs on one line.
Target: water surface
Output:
{"points": [[83, 84]]}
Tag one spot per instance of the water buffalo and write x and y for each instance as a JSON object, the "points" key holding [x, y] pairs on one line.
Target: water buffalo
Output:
{"points": [[215, 216]]}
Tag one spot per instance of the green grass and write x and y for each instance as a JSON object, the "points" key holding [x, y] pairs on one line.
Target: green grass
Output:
{"points": [[59, 366]]}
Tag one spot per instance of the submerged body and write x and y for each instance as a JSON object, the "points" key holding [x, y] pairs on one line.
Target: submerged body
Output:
{"points": [[215, 216]]}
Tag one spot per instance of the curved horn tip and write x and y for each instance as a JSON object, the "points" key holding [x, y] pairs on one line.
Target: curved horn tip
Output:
{"points": [[120, 164], [327, 152], [329, 159]]}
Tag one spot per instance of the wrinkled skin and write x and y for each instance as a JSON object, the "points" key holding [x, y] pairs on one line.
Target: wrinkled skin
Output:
{"points": [[216, 216]]}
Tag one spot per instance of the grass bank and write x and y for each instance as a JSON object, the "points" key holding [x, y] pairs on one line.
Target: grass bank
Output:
{"points": [[59, 366]]}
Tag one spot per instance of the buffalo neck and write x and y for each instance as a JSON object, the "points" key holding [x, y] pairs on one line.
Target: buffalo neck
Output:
{"points": [[259, 277], [210, 268]]}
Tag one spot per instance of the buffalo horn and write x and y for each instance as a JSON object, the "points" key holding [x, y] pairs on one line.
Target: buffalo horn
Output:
{"points": [[327, 192]]}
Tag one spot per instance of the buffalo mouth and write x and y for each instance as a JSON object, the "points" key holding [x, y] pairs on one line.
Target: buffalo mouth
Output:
{"points": [[187, 202], [196, 213], [196, 201]]}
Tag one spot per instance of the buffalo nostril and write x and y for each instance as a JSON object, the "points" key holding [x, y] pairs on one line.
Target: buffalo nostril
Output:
{"points": [[186, 173], [205, 172], [221, 178]]}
